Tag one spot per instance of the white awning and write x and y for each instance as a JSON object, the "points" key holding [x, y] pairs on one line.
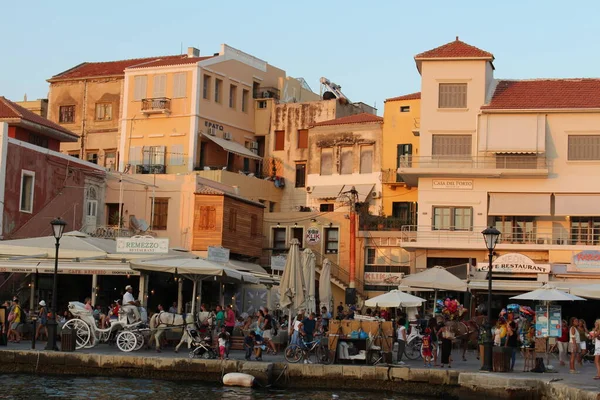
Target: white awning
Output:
{"points": [[326, 192], [516, 286], [363, 191], [246, 266], [68, 268], [233, 147], [528, 204], [576, 204]]}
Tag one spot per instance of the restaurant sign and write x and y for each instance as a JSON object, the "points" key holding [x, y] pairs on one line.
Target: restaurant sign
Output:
{"points": [[461, 184], [313, 235], [143, 244], [587, 259], [278, 262], [515, 263], [383, 278]]}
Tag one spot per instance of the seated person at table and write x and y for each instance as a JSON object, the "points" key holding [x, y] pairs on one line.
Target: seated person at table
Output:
{"points": [[253, 342]]}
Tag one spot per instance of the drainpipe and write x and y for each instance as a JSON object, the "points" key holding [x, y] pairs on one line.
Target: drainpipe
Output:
{"points": [[83, 117], [3, 154]]}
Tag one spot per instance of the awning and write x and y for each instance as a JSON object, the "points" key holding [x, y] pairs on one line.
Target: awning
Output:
{"points": [[326, 192], [246, 266], [576, 204], [528, 204], [232, 147], [363, 191], [68, 268], [516, 286]]}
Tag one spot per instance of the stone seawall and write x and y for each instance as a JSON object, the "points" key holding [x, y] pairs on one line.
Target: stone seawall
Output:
{"points": [[446, 384]]}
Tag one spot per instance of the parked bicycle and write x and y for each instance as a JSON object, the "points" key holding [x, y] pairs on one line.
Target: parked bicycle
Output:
{"points": [[309, 351], [414, 343]]}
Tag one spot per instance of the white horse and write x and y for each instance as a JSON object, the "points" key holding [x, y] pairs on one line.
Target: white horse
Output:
{"points": [[162, 320], [205, 319]]}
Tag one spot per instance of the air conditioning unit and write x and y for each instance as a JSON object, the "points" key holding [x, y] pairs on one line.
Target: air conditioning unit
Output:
{"points": [[254, 145], [212, 131], [266, 94], [376, 195], [227, 136], [309, 189]]}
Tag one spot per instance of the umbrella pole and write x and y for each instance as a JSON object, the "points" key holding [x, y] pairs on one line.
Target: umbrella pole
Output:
{"points": [[434, 301], [194, 291], [290, 325]]}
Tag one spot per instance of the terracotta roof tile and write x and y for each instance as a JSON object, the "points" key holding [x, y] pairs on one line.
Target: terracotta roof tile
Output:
{"points": [[169, 61], [412, 96], [546, 94], [11, 110], [455, 49], [363, 118]]}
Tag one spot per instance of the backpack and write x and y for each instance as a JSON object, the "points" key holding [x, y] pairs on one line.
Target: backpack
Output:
{"points": [[539, 365]]}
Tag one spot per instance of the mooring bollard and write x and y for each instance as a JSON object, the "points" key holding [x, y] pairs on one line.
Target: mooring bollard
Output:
{"points": [[33, 321]]}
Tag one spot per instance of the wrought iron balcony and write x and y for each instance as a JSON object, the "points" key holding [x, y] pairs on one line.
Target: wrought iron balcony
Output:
{"points": [[156, 105], [377, 223]]}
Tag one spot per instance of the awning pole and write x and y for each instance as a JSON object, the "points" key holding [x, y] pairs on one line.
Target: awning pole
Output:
{"points": [[180, 295], [194, 291], [94, 291], [32, 293]]}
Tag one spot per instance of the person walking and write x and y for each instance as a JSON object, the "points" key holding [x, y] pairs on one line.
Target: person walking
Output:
{"points": [[446, 335], [14, 318], [427, 348], [563, 343], [512, 342], [401, 339], [267, 329], [43, 320], [574, 344], [595, 336], [583, 334], [296, 331]]}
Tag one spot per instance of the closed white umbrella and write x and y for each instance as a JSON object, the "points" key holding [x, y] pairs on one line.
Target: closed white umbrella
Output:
{"points": [[395, 298], [291, 287], [308, 266], [325, 295], [591, 291]]}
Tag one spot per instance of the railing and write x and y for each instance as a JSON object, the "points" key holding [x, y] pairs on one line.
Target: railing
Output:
{"points": [[107, 232], [376, 223], [151, 169], [266, 93], [516, 235], [156, 104], [340, 273], [391, 176], [500, 161]]}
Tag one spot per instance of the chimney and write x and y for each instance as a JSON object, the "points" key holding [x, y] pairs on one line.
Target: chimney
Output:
{"points": [[236, 190], [193, 52]]}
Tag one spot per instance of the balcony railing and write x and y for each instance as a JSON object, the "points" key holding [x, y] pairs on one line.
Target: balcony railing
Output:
{"points": [[266, 93], [151, 169], [376, 223], [516, 235], [156, 105], [500, 161], [391, 176]]}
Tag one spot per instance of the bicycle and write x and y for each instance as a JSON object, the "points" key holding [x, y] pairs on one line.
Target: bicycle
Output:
{"points": [[414, 344], [293, 353]]}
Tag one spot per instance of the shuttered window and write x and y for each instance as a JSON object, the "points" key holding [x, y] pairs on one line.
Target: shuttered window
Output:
{"points": [[135, 153], [584, 147], [279, 140], [366, 159], [346, 160], [176, 155], [206, 87], [160, 86], [232, 220], [206, 219], [453, 95], [253, 225], [232, 96], [326, 161], [139, 87], [154, 155], [179, 85], [218, 89], [161, 213], [451, 145], [303, 138]]}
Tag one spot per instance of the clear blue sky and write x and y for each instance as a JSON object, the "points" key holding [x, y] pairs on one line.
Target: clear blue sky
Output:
{"points": [[365, 46]]}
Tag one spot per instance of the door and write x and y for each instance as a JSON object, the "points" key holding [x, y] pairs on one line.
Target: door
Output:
{"points": [[91, 215], [403, 158]]}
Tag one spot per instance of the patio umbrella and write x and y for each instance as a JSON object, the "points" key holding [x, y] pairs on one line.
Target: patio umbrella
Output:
{"points": [[325, 295], [308, 266], [591, 291], [547, 294], [395, 298], [436, 278], [291, 287]]}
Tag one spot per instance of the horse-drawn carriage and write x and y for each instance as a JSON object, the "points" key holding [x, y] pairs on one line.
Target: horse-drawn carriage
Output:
{"points": [[127, 331]]}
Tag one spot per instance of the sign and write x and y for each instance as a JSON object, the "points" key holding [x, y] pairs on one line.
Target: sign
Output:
{"points": [[515, 263], [459, 184], [383, 278], [143, 244], [213, 125], [313, 235], [587, 259], [90, 271], [278, 262], [548, 321], [218, 254]]}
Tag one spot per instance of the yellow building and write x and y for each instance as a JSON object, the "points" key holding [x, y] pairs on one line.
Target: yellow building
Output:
{"points": [[401, 124]]}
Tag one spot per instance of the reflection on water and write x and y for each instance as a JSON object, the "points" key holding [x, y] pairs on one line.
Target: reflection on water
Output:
{"points": [[40, 387]]}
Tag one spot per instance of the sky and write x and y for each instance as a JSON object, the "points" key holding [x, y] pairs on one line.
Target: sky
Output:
{"points": [[367, 47]]}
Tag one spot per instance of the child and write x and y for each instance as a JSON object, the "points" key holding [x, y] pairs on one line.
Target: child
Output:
{"points": [[427, 348], [223, 336]]}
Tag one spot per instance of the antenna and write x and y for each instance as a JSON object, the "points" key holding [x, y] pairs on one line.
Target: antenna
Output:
{"points": [[181, 48]]}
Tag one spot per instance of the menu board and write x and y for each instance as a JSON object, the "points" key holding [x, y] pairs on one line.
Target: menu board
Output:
{"points": [[548, 321]]}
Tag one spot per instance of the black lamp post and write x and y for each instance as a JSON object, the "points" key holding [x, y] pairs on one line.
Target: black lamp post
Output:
{"points": [[491, 236], [58, 227]]}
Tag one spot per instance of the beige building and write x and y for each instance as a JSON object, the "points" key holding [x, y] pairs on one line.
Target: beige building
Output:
{"points": [[39, 106]]}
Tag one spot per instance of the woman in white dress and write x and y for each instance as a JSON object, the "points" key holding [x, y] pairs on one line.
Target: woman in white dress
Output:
{"points": [[595, 334]]}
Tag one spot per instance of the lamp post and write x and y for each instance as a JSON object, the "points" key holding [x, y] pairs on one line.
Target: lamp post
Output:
{"points": [[58, 227], [491, 236]]}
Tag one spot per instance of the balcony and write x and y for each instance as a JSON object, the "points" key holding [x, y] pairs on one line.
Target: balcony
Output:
{"points": [[151, 169], [392, 177], [266, 93], [517, 238], [156, 105], [494, 166], [377, 223]]}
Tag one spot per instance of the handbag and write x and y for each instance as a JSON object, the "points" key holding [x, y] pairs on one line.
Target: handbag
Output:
{"points": [[11, 316]]}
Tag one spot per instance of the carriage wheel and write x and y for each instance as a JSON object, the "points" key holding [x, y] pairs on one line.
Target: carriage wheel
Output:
{"points": [[413, 349], [83, 334], [126, 341], [140, 341]]}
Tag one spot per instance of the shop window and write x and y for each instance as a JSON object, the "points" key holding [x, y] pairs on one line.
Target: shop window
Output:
{"points": [[27, 186], [331, 240], [206, 219], [161, 213], [103, 111], [66, 114], [300, 175], [279, 140], [279, 239], [326, 161], [452, 95], [453, 218], [303, 138]]}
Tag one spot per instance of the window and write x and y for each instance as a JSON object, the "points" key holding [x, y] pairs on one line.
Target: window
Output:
{"points": [[160, 86], [300, 175], [110, 159], [262, 104], [404, 108], [91, 209], [451, 146], [331, 240], [452, 218], [206, 218], [38, 140], [179, 85], [218, 89], [232, 220], [27, 185], [153, 155], [279, 238], [279, 140], [272, 206], [232, 96], [253, 225], [66, 114], [161, 213], [405, 211], [303, 138], [92, 157], [346, 160], [584, 147], [326, 207], [139, 87], [517, 161], [403, 158], [74, 154], [298, 233], [103, 111], [245, 97], [206, 87], [366, 159], [585, 230], [453, 95], [326, 161], [176, 156], [515, 229]]}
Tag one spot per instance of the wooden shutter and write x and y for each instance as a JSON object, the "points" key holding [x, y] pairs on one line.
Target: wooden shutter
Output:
{"points": [[326, 161], [207, 218], [160, 86], [139, 87], [179, 85], [279, 140], [303, 138], [232, 220], [366, 159], [161, 213], [346, 160], [176, 156], [253, 225]]}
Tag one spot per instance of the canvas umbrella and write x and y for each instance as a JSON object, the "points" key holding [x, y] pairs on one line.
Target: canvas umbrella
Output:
{"points": [[325, 295], [591, 291], [291, 287], [436, 278], [308, 266], [395, 298]]}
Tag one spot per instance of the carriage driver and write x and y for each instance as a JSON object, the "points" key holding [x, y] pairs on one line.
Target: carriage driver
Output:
{"points": [[129, 302]]}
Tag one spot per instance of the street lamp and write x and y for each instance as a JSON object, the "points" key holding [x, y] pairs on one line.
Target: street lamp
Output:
{"points": [[491, 236], [58, 227]]}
